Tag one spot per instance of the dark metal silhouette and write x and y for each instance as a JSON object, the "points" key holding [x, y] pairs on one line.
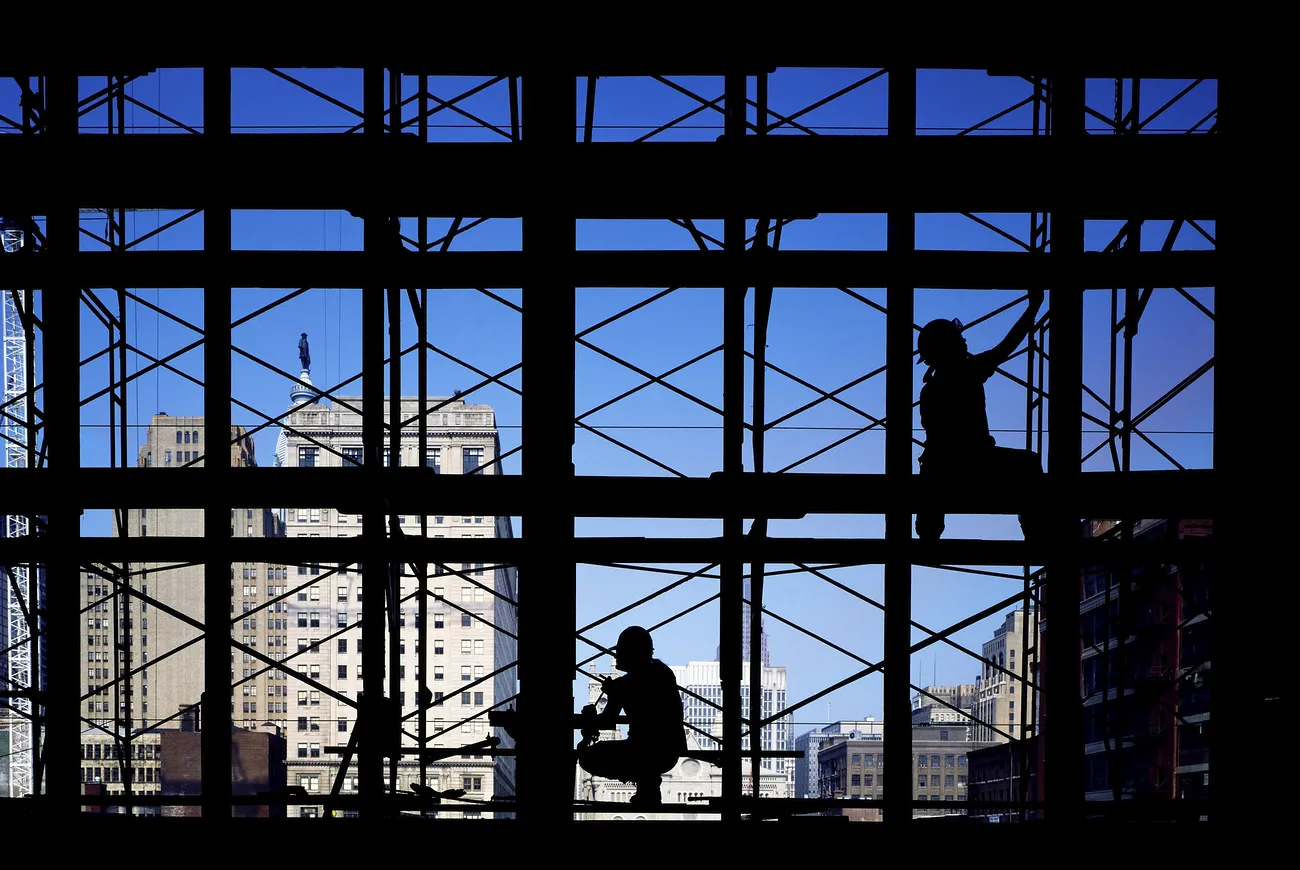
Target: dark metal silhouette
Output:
{"points": [[304, 352], [656, 737], [958, 446]]}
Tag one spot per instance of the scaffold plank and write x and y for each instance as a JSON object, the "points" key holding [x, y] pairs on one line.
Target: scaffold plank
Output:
{"points": [[791, 495], [508, 269], [1102, 177]]}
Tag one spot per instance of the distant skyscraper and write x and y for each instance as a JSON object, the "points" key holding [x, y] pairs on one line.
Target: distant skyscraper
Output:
{"points": [[745, 638]]}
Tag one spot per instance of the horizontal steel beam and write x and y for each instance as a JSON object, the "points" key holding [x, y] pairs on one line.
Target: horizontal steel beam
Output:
{"points": [[1102, 177], [415, 491], [503, 269], [1162, 54], [598, 550]]}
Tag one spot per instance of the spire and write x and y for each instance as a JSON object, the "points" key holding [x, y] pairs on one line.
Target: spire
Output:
{"points": [[745, 641]]}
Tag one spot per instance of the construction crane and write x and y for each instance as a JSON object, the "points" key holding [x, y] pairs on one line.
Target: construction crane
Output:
{"points": [[16, 579]]}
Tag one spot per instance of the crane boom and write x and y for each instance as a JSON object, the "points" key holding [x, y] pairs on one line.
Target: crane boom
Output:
{"points": [[16, 579]]}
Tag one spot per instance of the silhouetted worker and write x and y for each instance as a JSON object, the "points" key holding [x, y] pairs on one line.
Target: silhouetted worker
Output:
{"points": [[958, 445], [656, 737]]}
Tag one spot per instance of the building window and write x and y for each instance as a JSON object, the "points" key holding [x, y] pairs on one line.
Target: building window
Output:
{"points": [[438, 622], [472, 459], [307, 456], [465, 646], [388, 457], [947, 780], [351, 457], [943, 735], [433, 459], [478, 699], [465, 620], [343, 644], [343, 672], [343, 593], [343, 725], [478, 646], [920, 781], [465, 699], [343, 619], [922, 760], [438, 645], [437, 672], [178, 437]]}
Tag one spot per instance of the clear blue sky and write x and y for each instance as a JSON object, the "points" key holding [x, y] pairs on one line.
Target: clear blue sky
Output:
{"points": [[823, 336]]}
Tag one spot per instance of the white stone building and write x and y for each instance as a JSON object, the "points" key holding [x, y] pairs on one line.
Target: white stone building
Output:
{"points": [[471, 601]]}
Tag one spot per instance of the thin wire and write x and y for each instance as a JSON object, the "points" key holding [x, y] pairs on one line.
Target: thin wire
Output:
{"points": [[814, 429], [867, 128]]}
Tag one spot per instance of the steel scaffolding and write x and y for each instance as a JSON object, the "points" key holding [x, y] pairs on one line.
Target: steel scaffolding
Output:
{"points": [[767, 168]]}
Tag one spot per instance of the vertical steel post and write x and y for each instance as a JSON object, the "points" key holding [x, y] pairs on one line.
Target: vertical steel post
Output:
{"points": [[731, 609], [422, 384], [393, 569], [374, 574], [1234, 699], [899, 374], [215, 709], [547, 594], [758, 531], [1064, 758], [60, 312]]}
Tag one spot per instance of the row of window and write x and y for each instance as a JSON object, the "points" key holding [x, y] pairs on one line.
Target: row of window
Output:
{"points": [[471, 458], [113, 752]]}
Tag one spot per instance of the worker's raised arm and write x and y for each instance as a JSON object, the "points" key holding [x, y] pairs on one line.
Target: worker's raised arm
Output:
{"points": [[1005, 348]]}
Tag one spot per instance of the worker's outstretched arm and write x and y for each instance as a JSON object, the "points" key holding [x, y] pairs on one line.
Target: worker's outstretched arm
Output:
{"points": [[1003, 350]]}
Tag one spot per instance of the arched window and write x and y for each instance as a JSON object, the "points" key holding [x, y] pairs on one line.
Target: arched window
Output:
{"points": [[196, 436], [178, 436], [187, 438]]}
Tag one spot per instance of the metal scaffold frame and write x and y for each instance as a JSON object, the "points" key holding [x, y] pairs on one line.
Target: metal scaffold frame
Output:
{"points": [[1060, 176]]}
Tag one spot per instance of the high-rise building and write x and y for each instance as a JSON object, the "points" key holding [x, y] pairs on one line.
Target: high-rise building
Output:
{"points": [[702, 682], [472, 609], [1002, 705], [1144, 676], [146, 620]]}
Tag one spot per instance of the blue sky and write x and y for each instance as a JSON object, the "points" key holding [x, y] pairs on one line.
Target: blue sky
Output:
{"points": [[826, 337]]}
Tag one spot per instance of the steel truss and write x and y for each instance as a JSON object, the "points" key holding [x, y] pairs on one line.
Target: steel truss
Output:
{"points": [[1073, 177]]}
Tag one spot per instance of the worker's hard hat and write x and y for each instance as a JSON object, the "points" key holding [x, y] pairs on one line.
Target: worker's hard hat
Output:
{"points": [[634, 643], [935, 335]]}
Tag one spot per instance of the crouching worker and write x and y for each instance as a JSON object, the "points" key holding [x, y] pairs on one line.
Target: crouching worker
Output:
{"points": [[656, 737]]}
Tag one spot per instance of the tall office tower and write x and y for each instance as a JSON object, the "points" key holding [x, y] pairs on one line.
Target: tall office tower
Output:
{"points": [[472, 612], [1000, 700], [143, 639], [745, 646], [705, 680]]}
